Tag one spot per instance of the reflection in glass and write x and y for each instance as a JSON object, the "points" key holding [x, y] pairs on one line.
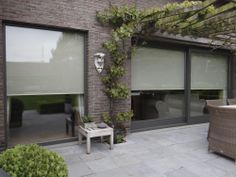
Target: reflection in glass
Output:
{"points": [[208, 80], [43, 61], [158, 104], [157, 69], [157, 82], [40, 118]]}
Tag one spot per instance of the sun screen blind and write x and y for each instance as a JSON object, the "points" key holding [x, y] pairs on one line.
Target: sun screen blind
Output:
{"points": [[44, 62], [157, 69], [208, 71]]}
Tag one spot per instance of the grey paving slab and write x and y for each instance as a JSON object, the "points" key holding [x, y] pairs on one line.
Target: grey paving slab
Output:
{"points": [[140, 170], [71, 159], [101, 165], [223, 164], [79, 169], [125, 160], [170, 152], [181, 172], [206, 170], [93, 156], [163, 165], [116, 172]]}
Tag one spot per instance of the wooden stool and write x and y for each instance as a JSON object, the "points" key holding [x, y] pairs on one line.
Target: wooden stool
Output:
{"points": [[94, 132]]}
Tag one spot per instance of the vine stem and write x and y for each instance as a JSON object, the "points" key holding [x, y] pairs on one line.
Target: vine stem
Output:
{"points": [[111, 112]]}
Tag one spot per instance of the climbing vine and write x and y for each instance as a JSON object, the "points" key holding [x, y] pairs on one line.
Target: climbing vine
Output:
{"points": [[197, 18]]}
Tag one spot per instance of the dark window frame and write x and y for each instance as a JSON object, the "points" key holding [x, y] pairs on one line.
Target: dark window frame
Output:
{"points": [[205, 118], [51, 28], [188, 48]]}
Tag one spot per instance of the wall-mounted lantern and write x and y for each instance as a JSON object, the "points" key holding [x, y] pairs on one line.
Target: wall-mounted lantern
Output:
{"points": [[99, 61]]}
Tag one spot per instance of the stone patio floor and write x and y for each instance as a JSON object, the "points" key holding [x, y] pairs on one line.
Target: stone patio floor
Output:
{"points": [[170, 152]]}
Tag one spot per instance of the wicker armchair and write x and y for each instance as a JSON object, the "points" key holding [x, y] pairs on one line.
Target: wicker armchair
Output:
{"points": [[231, 101], [215, 102], [222, 131]]}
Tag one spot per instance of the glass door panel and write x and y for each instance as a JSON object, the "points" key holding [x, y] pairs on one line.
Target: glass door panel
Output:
{"points": [[208, 80]]}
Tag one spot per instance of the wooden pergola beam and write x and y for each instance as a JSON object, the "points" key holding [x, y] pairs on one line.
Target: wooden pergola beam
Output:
{"points": [[162, 14], [215, 19], [217, 25], [220, 11], [193, 16], [206, 4]]}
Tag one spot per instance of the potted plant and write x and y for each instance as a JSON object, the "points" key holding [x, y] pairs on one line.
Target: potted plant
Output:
{"points": [[107, 119], [124, 118], [86, 121]]}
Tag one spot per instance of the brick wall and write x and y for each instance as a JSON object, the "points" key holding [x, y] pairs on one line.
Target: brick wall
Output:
{"points": [[76, 14]]}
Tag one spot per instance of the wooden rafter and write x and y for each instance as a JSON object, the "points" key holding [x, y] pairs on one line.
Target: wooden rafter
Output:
{"points": [[222, 10], [217, 25], [212, 19]]}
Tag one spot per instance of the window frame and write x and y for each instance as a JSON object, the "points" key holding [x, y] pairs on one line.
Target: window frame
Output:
{"points": [[44, 27], [188, 48], [205, 118]]}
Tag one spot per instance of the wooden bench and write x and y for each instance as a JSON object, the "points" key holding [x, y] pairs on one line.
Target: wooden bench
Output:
{"points": [[92, 132]]}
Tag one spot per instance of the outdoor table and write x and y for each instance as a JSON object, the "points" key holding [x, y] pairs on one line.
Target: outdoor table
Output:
{"points": [[94, 132]]}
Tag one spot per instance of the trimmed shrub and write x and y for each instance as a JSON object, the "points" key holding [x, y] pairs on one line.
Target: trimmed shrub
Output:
{"points": [[32, 161], [51, 108]]}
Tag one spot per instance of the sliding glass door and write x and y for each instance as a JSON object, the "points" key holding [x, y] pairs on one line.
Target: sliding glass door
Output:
{"points": [[157, 82], [208, 80], [170, 87]]}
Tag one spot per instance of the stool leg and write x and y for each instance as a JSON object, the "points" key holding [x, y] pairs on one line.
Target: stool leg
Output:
{"points": [[80, 137], [111, 141], [102, 140], [88, 142]]}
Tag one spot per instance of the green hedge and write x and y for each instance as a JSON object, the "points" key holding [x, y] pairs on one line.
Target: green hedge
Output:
{"points": [[32, 161], [51, 108], [32, 102]]}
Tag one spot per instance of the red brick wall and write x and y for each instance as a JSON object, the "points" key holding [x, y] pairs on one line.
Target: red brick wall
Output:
{"points": [[76, 14]]}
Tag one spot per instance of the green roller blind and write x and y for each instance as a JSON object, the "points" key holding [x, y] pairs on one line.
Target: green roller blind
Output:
{"points": [[44, 62], [157, 69]]}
